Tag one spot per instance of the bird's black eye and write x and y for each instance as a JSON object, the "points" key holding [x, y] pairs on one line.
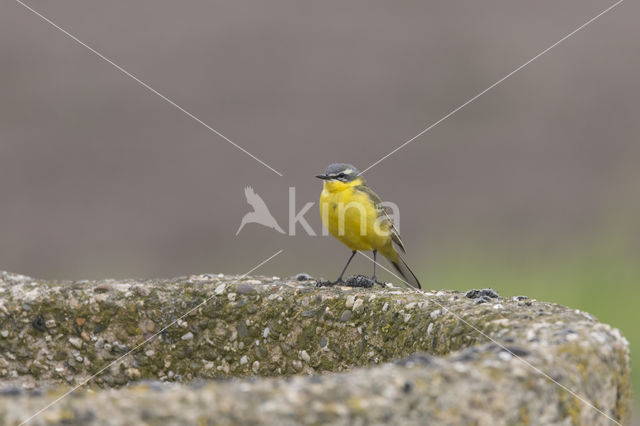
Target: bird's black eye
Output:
{"points": [[342, 176]]}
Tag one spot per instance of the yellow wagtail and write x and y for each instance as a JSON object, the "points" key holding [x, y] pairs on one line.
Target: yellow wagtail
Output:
{"points": [[352, 213]]}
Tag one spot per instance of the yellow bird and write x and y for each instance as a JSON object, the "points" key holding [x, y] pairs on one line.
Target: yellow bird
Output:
{"points": [[352, 213]]}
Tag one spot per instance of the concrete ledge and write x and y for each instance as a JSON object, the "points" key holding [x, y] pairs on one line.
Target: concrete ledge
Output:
{"points": [[54, 335]]}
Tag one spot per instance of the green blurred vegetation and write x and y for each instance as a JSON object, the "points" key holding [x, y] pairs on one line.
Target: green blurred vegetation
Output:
{"points": [[601, 277]]}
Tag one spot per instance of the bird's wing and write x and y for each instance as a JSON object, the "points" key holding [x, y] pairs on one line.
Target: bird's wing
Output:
{"points": [[254, 200], [382, 212]]}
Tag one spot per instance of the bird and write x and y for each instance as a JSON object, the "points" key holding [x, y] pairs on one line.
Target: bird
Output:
{"points": [[353, 214], [260, 213]]}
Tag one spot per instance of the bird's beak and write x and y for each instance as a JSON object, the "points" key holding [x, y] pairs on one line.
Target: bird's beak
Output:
{"points": [[323, 177]]}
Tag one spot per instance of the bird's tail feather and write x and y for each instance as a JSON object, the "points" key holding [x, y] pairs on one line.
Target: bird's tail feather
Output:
{"points": [[406, 273]]}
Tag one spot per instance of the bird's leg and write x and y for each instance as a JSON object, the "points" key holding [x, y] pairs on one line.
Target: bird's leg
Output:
{"points": [[375, 252], [375, 281], [339, 280]]}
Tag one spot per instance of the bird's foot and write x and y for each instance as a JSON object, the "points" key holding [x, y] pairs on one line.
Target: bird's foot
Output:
{"points": [[353, 281], [380, 283], [360, 281], [322, 283]]}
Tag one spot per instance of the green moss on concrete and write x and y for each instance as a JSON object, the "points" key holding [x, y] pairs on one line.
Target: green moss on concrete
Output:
{"points": [[267, 327]]}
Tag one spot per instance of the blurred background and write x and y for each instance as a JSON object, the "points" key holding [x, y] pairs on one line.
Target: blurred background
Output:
{"points": [[532, 189]]}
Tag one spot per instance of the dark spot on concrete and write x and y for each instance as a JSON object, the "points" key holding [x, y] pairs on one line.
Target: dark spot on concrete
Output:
{"points": [[360, 281], [146, 414], [485, 292], [11, 391], [242, 329], [83, 417], [102, 288], [482, 299], [324, 283], [466, 355], [408, 387], [415, 359], [303, 277], [316, 379], [38, 323], [246, 289], [116, 348], [517, 351], [346, 316]]}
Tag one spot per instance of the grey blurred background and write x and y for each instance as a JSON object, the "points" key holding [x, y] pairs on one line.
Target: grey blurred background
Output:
{"points": [[533, 188]]}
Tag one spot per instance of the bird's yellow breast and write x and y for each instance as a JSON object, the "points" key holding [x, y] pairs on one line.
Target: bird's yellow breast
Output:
{"points": [[351, 216]]}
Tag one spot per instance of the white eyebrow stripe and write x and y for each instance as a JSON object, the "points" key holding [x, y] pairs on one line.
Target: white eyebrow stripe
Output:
{"points": [[348, 171]]}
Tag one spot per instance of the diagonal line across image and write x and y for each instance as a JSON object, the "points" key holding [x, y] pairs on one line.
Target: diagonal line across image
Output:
{"points": [[144, 342], [421, 133], [516, 356], [452, 112], [145, 85]]}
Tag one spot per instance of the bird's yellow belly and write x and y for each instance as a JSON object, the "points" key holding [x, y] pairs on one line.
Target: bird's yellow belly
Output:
{"points": [[350, 216]]}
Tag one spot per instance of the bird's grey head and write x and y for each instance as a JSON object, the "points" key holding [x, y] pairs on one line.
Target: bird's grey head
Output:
{"points": [[340, 171]]}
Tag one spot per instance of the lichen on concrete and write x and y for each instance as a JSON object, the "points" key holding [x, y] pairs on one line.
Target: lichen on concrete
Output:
{"points": [[326, 355]]}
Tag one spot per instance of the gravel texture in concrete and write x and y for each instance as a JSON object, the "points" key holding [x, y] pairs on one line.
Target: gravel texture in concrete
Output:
{"points": [[283, 351]]}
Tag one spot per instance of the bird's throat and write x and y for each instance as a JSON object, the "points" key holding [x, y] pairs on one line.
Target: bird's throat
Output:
{"points": [[338, 186]]}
